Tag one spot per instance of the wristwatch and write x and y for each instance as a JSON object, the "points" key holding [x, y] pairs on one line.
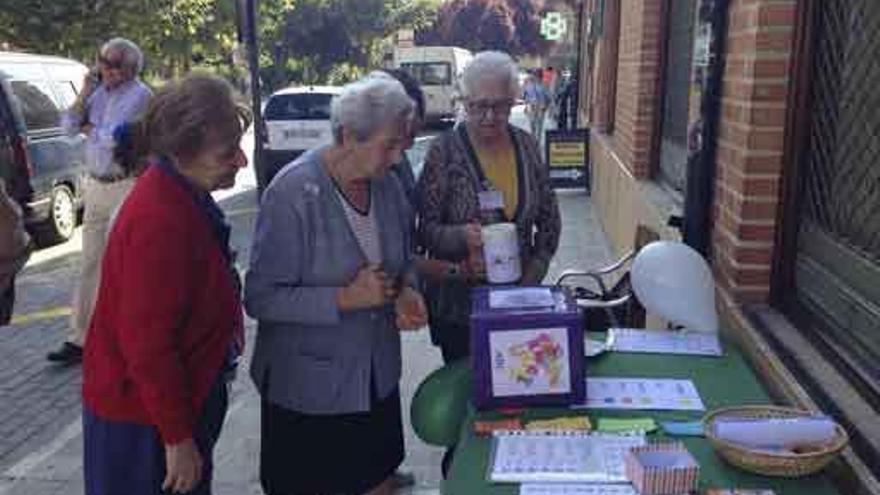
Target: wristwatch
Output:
{"points": [[454, 270]]}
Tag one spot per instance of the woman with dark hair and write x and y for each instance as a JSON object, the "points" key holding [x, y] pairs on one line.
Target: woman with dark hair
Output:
{"points": [[167, 325]]}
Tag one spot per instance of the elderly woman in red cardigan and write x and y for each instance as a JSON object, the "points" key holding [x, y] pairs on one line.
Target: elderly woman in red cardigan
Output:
{"points": [[167, 325]]}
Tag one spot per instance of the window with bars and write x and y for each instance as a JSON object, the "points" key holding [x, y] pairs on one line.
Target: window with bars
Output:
{"points": [[673, 148], [837, 264]]}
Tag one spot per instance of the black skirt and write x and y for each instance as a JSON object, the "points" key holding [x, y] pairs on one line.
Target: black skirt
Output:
{"points": [[339, 454]]}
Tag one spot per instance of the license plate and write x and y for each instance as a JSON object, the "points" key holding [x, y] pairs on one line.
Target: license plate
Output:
{"points": [[302, 134]]}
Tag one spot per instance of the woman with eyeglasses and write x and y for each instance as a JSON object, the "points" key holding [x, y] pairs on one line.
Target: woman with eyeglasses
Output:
{"points": [[482, 160]]}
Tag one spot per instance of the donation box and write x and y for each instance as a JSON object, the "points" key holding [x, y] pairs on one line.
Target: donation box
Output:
{"points": [[527, 347]]}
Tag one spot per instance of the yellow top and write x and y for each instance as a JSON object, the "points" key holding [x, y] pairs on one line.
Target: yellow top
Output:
{"points": [[499, 165]]}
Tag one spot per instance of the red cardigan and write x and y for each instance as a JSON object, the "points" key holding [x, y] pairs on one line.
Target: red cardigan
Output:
{"points": [[165, 315]]}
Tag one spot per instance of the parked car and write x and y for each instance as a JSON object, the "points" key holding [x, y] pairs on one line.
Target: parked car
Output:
{"points": [[43, 165], [297, 119]]}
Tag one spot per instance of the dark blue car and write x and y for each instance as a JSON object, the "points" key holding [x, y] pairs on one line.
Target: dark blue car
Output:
{"points": [[42, 165]]}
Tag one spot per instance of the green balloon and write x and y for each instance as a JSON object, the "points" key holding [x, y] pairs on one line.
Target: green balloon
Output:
{"points": [[440, 404]]}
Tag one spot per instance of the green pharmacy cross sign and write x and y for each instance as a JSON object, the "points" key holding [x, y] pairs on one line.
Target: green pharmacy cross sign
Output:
{"points": [[553, 26]]}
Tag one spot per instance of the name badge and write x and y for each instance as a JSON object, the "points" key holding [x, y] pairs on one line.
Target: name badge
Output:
{"points": [[492, 199]]}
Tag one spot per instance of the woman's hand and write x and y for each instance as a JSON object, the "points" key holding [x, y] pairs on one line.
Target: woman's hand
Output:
{"points": [[473, 236], [370, 288], [183, 465], [474, 267], [410, 310], [532, 273]]}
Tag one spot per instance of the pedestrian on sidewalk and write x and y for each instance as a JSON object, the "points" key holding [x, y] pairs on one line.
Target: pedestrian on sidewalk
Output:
{"points": [[483, 155], [427, 268], [331, 284], [167, 328], [111, 96], [537, 100], [566, 111], [15, 248]]}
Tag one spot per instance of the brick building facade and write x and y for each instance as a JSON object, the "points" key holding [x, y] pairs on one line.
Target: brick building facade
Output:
{"points": [[773, 138]]}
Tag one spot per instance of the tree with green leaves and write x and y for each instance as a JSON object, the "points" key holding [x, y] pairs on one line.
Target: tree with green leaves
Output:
{"points": [[172, 33], [512, 26], [302, 41], [332, 41]]}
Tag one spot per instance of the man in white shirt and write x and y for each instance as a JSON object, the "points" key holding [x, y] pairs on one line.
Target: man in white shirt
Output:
{"points": [[111, 96]]}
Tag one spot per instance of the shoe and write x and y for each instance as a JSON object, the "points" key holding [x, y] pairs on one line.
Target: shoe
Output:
{"points": [[67, 354], [402, 479]]}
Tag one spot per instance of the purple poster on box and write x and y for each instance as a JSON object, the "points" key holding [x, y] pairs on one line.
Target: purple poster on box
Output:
{"points": [[527, 347]]}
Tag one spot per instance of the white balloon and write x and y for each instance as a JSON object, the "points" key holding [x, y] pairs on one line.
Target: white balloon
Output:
{"points": [[673, 281]]}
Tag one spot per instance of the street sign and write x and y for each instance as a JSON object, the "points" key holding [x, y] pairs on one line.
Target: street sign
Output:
{"points": [[568, 156], [554, 26]]}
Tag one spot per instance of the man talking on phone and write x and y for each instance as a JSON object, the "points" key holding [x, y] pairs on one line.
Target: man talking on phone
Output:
{"points": [[111, 96]]}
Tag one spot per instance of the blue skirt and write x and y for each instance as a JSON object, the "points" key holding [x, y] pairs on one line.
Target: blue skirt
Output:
{"points": [[128, 458]]}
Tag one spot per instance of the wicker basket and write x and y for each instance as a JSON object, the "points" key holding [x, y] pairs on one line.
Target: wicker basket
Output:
{"points": [[788, 465]]}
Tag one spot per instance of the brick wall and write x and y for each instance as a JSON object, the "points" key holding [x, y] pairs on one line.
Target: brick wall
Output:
{"points": [[638, 73], [624, 106], [750, 146], [605, 69]]}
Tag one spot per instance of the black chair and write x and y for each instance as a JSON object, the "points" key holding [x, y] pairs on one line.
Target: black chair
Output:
{"points": [[610, 301]]}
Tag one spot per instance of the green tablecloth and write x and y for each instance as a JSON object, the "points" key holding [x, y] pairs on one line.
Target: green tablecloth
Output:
{"points": [[725, 381]]}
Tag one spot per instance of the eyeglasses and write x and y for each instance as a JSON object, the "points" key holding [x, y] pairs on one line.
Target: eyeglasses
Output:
{"points": [[482, 107], [111, 64]]}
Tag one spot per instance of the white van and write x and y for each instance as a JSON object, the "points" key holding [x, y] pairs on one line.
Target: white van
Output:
{"points": [[297, 119], [438, 69]]}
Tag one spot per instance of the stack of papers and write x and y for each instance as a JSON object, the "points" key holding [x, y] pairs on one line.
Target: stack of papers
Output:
{"points": [[527, 297], [574, 489], [776, 432], [577, 457], [664, 342], [651, 394]]}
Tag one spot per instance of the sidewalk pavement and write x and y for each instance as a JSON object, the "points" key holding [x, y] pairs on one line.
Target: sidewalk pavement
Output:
{"points": [[54, 467]]}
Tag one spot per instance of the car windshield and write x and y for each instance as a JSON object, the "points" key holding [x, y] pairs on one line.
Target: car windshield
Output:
{"points": [[301, 106], [430, 74]]}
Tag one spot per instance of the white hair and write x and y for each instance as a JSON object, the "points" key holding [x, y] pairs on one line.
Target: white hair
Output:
{"points": [[366, 105], [493, 66], [132, 55]]}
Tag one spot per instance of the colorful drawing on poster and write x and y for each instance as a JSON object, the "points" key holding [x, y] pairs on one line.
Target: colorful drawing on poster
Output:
{"points": [[530, 362], [539, 355]]}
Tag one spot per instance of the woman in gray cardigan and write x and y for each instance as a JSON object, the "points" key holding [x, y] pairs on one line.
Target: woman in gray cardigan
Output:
{"points": [[331, 285]]}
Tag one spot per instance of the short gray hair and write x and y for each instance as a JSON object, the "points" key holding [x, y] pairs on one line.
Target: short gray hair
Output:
{"points": [[132, 55], [490, 65], [366, 105]]}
